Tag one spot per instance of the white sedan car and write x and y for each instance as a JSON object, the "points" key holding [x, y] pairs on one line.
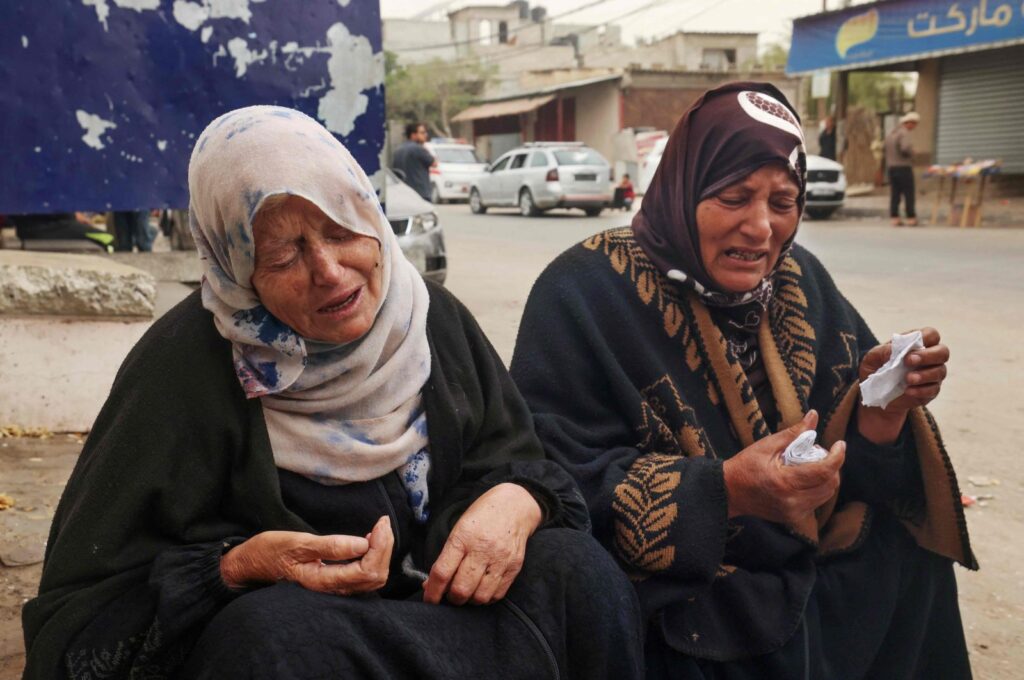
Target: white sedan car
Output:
{"points": [[826, 187], [457, 167]]}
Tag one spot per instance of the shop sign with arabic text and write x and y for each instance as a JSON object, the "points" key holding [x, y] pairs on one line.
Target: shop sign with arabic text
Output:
{"points": [[895, 31]]}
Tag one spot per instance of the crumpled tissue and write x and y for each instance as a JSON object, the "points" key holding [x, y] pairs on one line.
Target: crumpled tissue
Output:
{"points": [[803, 450], [890, 381]]}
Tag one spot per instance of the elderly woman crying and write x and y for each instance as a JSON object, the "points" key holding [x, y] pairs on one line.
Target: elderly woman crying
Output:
{"points": [[304, 469], [694, 347]]}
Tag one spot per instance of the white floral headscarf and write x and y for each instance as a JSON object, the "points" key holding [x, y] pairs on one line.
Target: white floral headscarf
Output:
{"points": [[335, 413]]}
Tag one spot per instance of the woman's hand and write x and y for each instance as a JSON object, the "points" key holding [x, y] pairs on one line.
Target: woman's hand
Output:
{"points": [[484, 552], [309, 560], [924, 381], [759, 485]]}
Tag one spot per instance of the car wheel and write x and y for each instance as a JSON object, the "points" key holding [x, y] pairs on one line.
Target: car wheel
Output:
{"points": [[476, 206], [593, 212], [435, 195], [527, 208], [820, 213]]}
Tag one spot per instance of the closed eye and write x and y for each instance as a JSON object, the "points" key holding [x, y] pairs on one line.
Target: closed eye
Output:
{"points": [[279, 259], [732, 201]]}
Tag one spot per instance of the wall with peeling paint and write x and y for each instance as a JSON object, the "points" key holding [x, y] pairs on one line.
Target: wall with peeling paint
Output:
{"points": [[103, 99]]}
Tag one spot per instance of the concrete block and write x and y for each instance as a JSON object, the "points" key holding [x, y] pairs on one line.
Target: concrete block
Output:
{"points": [[56, 372], [72, 285]]}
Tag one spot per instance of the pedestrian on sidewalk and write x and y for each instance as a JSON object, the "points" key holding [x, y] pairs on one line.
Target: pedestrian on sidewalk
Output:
{"points": [[899, 156], [133, 230], [624, 194], [827, 139], [414, 160]]}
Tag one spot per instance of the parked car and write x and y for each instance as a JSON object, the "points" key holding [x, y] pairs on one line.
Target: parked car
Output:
{"points": [[457, 167], [416, 225], [649, 165], [543, 175], [826, 187]]}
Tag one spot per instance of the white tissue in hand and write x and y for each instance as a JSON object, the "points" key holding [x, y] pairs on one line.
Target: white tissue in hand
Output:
{"points": [[890, 381], [803, 450]]}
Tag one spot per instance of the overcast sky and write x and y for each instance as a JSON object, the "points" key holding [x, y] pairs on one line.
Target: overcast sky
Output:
{"points": [[771, 18]]}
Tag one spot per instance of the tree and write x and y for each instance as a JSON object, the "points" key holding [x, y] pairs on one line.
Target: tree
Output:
{"points": [[880, 91], [877, 91], [432, 92], [774, 57]]}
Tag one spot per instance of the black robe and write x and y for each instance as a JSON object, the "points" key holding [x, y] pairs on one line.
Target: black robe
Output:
{"points": [[633, 390], [179, 467]]}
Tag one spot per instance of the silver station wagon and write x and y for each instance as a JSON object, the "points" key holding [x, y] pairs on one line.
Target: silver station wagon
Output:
{"points": [[540, 176]]}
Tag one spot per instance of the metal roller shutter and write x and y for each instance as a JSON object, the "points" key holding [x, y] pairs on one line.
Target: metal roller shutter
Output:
{"points": [[981, 108]]}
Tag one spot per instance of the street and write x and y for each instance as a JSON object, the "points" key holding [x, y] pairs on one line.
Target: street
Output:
{"points": [[966, 283]]}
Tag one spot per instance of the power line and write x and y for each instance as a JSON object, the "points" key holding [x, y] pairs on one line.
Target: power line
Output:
{"points": [[715, 4], [540, 46], [430, 10], [470, 41], [537, 47]]}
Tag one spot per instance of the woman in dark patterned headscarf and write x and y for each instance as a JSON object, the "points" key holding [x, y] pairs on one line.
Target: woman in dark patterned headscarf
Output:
{"points": [[690, 350]]}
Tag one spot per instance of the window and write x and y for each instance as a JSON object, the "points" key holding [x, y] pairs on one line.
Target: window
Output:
{"points": [[583, 156], [500, 165], [456, 155], [718, 59], [539, 159], [485, 32], [503, 32], [518, 161]]}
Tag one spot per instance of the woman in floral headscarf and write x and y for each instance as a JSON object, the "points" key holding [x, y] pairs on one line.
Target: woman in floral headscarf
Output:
{"points": [[318, 424], [690, 350]]}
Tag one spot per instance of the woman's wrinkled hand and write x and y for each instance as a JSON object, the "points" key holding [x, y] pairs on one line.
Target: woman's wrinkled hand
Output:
{"points": [[485, 550], [342, 565], [759, 485], [927, 370]]}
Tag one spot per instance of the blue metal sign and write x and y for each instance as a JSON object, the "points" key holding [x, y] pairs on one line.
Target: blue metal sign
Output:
{"points": [[103, 99], [900, 30]]}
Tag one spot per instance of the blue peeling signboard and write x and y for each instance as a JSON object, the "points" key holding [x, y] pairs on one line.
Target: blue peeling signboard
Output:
{"points": [[900, 30], [102, 100]]}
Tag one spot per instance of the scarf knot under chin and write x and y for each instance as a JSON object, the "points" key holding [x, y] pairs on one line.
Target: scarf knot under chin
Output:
{"points": [[334, 413]]}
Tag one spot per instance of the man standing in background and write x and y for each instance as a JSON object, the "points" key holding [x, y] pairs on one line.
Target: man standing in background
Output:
{"points": [[899, 155], [132, 229], [413, 159], [827, 139]]}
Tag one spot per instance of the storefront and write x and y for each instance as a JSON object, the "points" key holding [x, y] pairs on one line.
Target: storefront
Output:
{"points": [[967, 54]]}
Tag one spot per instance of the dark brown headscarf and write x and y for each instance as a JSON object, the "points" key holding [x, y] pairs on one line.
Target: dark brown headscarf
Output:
{"points": [[730, 132]]}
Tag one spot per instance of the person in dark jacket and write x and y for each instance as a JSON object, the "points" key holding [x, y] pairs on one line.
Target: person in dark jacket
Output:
{"points": [[309, 466], [827, 139], [899, 161], [413, 159], [669, 365]]}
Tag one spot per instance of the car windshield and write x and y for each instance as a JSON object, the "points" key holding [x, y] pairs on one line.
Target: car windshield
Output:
{"points": [[456, 155], [579, 157]]}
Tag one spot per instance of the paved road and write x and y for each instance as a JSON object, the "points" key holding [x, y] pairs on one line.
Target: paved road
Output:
{"points": [[967, 283]]}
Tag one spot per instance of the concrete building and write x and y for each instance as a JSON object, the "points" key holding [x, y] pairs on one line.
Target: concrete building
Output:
{"points": [[682, 51], [514, 37], [417, 41], [595, 109], [970, 88]]}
